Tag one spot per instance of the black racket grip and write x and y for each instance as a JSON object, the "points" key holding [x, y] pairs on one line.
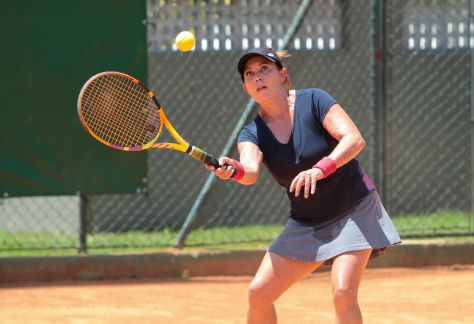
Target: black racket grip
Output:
{"points": [[206, 158], [213, 161], [203, 156]]}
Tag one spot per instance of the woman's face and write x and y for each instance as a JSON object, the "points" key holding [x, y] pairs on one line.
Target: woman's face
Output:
{"points": [[262, 78]]}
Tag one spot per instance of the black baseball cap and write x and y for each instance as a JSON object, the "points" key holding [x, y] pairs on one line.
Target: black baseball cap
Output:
{"points": [[267, 53]]}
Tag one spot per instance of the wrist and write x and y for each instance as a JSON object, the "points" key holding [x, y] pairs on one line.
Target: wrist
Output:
{"points": [[327, 166], [239, 171]]}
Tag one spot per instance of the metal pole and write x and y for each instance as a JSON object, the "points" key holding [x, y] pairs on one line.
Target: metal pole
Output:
{"points": [[231, 142], [379, 96], [83, 223], [380, 112], [471, 48]]}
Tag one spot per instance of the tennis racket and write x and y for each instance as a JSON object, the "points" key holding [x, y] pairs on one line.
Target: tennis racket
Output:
{"points": [[122, 113]]}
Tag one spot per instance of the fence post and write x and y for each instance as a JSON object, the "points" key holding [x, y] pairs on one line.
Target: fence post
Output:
{"points": [[83, 223], [379, 96], [471, 48]]}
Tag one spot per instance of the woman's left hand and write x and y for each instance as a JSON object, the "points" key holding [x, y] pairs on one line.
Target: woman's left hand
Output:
{"points": [[306, 179]]}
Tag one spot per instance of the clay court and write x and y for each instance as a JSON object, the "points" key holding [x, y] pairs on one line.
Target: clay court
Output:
{"points": [[388, 295]]}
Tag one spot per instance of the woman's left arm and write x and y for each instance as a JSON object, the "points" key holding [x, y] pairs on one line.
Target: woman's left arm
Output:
{"points": [[340, 126], [337, 123]]}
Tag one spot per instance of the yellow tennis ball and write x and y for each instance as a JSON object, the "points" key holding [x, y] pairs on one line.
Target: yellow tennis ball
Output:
{"points": [[185, 41]]}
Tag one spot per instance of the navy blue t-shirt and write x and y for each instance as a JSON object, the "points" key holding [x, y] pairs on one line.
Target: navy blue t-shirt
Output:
{"points": [[309, 142]]}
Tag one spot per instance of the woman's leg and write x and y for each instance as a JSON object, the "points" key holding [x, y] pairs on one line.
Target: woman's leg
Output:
{"points": [[346, 275], [275, 275]]}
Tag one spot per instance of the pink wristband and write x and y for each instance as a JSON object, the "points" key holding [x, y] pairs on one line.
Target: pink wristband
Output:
{"points": [[239, 171], [326, 165]]}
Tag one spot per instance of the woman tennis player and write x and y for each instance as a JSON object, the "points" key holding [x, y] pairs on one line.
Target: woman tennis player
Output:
{"points": [[309, 144]]}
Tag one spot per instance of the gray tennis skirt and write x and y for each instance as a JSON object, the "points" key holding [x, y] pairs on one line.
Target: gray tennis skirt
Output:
{"points": [[365, 226]]}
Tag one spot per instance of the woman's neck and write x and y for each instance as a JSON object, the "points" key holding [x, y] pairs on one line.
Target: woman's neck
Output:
{"points": [[279, 108]]}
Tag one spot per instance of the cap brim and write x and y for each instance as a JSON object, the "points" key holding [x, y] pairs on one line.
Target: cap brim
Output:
{"points": [[243, 60]]}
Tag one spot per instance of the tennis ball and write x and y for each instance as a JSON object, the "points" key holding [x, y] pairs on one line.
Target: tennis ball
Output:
{"points": [[185, 41]]}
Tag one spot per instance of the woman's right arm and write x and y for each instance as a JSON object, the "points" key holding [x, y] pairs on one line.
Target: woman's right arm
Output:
{"points": [[251, 159]]}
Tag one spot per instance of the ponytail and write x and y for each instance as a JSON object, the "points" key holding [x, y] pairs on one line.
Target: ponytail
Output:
{"points": [[284, 55]]}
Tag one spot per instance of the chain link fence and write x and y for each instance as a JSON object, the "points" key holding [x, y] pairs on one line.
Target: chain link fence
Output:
{"points": [[429, 120], [410, 95]]}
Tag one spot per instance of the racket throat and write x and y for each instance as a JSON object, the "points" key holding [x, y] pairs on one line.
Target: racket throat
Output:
{"points": [[195, 152], [189, 149]]}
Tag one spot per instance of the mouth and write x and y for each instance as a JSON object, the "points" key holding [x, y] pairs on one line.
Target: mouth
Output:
{"points": [[261, 88]]}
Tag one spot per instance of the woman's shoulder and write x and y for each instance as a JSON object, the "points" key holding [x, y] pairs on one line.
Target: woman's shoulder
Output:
{"points": [[309, 91], [309, 96], [248, 133], [251, 127], [254, 127], [316, 95]]}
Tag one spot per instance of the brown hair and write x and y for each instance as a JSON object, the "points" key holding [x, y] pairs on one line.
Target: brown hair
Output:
{"points": [[284, 55]]}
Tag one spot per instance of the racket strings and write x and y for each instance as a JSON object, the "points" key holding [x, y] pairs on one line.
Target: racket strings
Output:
{"points": [[130, 124], [102, 95], [120, 112]]}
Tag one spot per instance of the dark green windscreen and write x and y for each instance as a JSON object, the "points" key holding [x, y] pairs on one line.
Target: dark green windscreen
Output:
{"points": [[51, 48]]}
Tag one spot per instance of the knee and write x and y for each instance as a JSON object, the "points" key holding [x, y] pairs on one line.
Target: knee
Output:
{"points": [[259, 295], [344, 297]]}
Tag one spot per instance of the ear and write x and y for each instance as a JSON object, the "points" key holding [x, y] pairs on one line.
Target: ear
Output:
{"points": [[245, 88], [283, 74]]}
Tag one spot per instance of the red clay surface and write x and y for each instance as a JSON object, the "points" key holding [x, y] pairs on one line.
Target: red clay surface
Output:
{"points": [[389, 295]]}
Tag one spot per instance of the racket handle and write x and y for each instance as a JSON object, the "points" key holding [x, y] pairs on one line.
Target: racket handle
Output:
{"points": [[202, 156]]}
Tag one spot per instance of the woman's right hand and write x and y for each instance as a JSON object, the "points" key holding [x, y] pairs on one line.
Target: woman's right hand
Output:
{"points": [[226, 170]]}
